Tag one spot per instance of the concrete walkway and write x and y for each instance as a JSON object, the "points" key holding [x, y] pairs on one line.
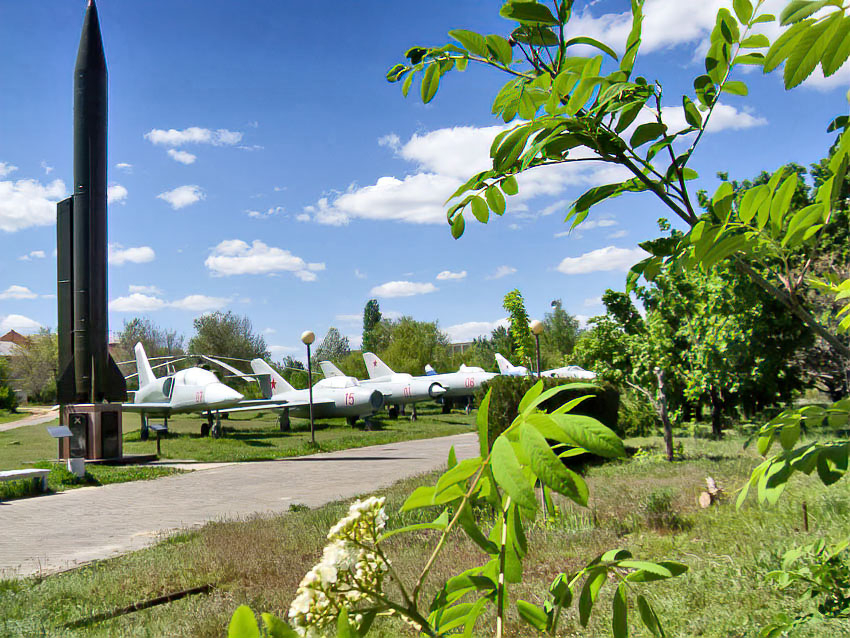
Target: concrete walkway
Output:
{"points": [[57, 531], [39, 415]]}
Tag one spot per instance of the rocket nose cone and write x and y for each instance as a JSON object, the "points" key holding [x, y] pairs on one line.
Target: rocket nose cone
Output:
{"points": [[90, 54]]}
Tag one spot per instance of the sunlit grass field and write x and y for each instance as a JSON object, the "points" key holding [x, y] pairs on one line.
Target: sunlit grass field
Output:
{"points": [[644, 504]]}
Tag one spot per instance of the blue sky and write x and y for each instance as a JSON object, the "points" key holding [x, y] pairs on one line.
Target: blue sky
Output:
{"points": [[260, 162]]}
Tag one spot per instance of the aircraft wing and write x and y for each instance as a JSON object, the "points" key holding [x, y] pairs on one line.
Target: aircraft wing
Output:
{"points": [[256, 406]]}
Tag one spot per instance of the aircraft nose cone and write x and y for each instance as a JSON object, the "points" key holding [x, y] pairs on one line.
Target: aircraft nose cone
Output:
{"points": [[220, 395], [435, 391]]}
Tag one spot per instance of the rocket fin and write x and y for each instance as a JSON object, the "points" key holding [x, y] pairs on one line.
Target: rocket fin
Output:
{"points": [[114, 386]]}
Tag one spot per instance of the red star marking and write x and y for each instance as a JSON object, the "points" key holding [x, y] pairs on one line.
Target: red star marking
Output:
{"points": [[374, 364], [274, 384]]}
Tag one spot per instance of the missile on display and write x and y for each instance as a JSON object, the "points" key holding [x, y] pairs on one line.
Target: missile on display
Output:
{"points": [[87, 373]]}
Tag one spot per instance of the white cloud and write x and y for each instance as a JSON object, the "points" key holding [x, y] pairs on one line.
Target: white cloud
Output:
{"points": [[402, 289], [28, 203], [390, 140], [17, 292], [184, 157], [118, 255], [137, 302], [271, 212], [358, 274], [602, 259], [47, 167], [269, 331], [124, 166], [502, 271], [236, 257], [349, 318], [193, 135], [18, 323], [35, 254], [448, 274], [146, 290], [182, 196], [6, 169], [618, 234], [468, 331], [115, 193], [199, 303]]}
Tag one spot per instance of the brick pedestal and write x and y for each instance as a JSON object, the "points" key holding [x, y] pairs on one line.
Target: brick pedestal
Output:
{"points": [[96, 431]]}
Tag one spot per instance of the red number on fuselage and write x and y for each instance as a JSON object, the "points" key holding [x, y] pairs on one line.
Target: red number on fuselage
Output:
{"points": [[349, 398], [470, 382]]}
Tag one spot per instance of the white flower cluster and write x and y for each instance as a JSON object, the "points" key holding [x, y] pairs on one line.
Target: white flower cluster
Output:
{"points": [[348, 573]]}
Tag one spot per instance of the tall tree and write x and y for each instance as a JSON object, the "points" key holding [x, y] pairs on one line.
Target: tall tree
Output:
{"points": [[34, 365], [227, 335], [371, 319], [333, 348], [522, 345], [157, 341], [407, 345], [559, 336]]}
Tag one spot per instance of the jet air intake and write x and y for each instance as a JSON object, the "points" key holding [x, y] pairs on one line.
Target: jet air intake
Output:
{"points": [[376, 400], [435, 390]]}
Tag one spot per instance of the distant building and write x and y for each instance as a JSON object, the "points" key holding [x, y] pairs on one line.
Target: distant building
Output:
{"points": [[459, 347], [14, 337]]}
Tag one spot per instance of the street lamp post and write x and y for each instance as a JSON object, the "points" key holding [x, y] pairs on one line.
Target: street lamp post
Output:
{"points": [[307, 338], [537, 330]]}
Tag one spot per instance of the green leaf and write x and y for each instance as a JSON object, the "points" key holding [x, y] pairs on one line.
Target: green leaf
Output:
{"points": [[594, 43], [692, 114], [838, 49], [757, 41], [528, 13], [628, 115], [495, 199], [619, 622], [452, 460], [593, 197], [471, 41], [511, 148], [753, 199], [785, 44], [735, 87], [648, 571], [481, 420], [797, 10], [509, 474], [648, 617], [509, 185], [343, 627], [589, 592], [549, 468], [243, 624], [440, 524], [467, 522], [480, 209], [457, 226], [447, 618], [422, 496], [647, 132], [533, 615], [499, 48], [807, 52], [430, 83], [458, 474], [541, 397], [276, 628], [588, 433], [781, 201], [528, 398], [743, 10]]}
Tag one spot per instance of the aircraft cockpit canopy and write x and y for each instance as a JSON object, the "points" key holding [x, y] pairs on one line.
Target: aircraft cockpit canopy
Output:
{"points": [[198, 376]]}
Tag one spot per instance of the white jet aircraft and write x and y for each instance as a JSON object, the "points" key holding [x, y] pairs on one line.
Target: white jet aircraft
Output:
{"points": [[398, 388], [462, 383], [566, 372], [189, 390], [332, 397]]}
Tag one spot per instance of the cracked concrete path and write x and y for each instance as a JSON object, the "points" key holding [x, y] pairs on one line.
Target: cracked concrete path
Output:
{"points": [[57, 531]]}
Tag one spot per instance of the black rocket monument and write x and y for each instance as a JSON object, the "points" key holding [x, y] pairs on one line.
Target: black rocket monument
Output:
{"points": [[89, 384]]}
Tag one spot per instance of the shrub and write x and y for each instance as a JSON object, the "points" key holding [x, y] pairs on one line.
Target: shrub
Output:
{"points": [[8, 398], [508, 391], [637, 416]]}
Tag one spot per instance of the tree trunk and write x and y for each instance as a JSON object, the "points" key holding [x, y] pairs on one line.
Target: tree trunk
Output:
{"points": [[665, 418], [716, 414]]}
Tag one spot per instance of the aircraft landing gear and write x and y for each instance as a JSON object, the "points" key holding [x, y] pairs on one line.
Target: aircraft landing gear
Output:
{"points": [[413, 412], [367, 423], [206, 427], [283, 421], [469, 403], [351, 420], [447, 406], [144, 433], [216, 428], [392, 411]]}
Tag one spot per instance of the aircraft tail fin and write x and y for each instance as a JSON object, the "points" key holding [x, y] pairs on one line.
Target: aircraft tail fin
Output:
{"points": [[429, 370], [375, 367], [278, 383], [504, 365], [143, 366], [330, 370]]}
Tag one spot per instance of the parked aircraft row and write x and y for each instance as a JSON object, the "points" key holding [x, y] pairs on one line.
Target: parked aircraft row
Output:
{"points": [[196, 389]]}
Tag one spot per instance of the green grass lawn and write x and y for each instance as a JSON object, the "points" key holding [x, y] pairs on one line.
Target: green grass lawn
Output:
{"points": [[645, 505], [8, 417]]}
